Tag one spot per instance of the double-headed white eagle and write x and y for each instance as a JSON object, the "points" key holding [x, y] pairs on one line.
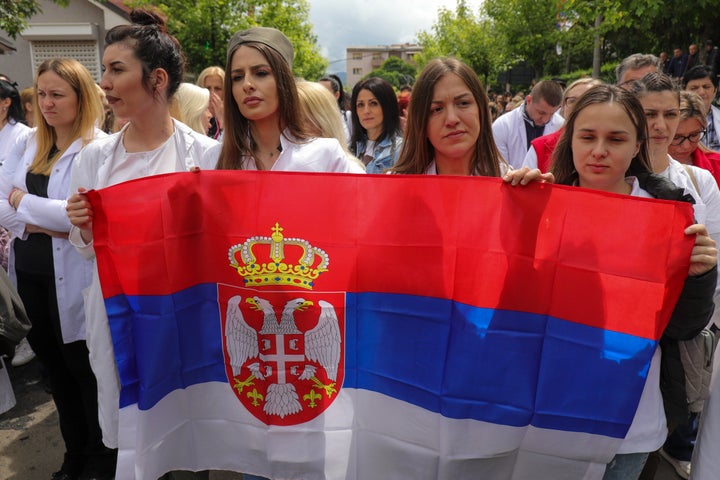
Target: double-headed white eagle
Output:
{"points": [[322, 345]]}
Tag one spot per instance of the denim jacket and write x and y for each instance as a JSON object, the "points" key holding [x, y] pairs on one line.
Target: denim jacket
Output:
{"points": [[387, 152]]}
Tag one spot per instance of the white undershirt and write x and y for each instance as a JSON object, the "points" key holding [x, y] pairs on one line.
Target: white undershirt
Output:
{"points": [[132, 165]]}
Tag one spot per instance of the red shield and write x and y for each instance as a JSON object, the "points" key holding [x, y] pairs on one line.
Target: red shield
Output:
{"points": [[284, 350]]}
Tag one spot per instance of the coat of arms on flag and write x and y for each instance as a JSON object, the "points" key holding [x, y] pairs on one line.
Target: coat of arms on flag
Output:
{"points": [[283, 343]]}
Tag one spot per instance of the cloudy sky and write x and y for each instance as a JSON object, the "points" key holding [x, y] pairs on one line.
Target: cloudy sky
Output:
{"points": [[340, 24]]}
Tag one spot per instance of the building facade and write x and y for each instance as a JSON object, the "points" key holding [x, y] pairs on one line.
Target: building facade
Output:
{"points": [[363, 60], [76, 31]]}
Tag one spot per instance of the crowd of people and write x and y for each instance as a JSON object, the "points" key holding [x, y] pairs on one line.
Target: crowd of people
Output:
{"points": [[64, 135]]}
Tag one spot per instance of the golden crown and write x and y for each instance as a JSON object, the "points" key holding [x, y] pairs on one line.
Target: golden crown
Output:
{"points": [[275, 271]]}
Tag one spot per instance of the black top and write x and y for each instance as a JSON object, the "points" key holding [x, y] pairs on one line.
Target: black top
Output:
{"points": [[34, 255]]}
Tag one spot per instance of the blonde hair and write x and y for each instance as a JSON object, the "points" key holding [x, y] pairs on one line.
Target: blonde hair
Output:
{"points": [[192, 103], [319, 108], [26, 96], [89, 114], [692, 106], [209, 72], [589, 81]]}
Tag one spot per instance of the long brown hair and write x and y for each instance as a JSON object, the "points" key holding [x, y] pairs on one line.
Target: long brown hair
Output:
{"points": [[237, 138], [562, 159], [89, 114], [417, 152]]}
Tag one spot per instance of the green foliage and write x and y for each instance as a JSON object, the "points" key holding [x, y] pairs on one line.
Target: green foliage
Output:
{"points": [[396, 72], [607, 74], [203, 28], [463, 35], [14, 14], [526, 29], [292, 18], [199, 27]]}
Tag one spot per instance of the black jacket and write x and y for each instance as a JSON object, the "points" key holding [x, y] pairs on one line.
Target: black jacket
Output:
{"points": [[691, 314]]}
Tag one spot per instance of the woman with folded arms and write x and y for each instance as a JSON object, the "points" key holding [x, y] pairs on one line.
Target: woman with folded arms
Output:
{"points": [[49, 273]]}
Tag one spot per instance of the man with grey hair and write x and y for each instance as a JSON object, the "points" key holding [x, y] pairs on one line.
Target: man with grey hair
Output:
{"points": [[635, 67]]}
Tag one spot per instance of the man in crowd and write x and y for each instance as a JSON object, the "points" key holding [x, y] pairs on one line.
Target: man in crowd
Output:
{"points": [[635, 67], [536, 116]]}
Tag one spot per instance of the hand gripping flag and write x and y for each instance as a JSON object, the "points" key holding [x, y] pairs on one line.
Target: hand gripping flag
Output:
{"points": [[321, 326]]}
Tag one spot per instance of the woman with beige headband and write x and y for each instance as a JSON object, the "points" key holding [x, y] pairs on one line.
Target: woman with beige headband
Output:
{"points": [[263, 121]]}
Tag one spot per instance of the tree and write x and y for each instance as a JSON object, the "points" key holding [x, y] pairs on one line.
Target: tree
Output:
{"points": [[395, 71], [203, 28], [292, 17], [463, 35], [613, 25], [14, 14], [526, 29]]}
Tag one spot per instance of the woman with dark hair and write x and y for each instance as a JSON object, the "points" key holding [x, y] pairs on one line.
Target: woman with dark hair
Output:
{"points": [[700, 79], [49, 273], [265, 122], [449, 130], [335, 86], [376, 135], [13, 133], [13, 129], [143, 67], [264, 127], [604, 146]]}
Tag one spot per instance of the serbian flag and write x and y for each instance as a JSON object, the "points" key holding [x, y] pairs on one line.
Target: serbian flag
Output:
{"points": [[323, 326]]}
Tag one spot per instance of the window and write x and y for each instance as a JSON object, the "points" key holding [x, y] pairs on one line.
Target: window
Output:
{"points": [[84, 51], [357, 56], [357, 71], [377, 56]]}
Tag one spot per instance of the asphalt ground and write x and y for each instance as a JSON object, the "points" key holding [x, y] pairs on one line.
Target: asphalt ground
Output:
{"points": [[30, 444]]}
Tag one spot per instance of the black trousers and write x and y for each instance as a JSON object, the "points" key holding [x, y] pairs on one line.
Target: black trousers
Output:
{"points": [[71, 378]]}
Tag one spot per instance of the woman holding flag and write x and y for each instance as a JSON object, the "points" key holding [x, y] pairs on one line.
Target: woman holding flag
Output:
{"points": [[449, 129], [142, 69], [263, 126], [604, 147]]}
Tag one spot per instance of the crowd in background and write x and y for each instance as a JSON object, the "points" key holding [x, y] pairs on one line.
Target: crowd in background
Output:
{"points": [[65, 135]]}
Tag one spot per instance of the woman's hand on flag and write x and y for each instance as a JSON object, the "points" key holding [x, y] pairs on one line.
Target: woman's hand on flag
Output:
{"points": [[80, 213], [704, 253], [525, 175]]}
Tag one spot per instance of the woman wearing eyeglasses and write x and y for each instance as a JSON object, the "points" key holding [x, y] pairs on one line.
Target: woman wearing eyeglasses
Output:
{"points": [[701, 80], [686, 146]]}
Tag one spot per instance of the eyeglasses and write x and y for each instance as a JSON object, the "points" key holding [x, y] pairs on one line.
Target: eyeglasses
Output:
{"points": [[694, 137]]}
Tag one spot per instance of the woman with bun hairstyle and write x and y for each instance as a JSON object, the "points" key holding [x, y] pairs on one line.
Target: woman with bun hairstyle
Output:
{"points": [[143, 67]]}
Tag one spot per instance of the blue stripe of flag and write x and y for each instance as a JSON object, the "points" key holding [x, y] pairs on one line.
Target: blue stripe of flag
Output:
{"points": [[464, 362]]}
